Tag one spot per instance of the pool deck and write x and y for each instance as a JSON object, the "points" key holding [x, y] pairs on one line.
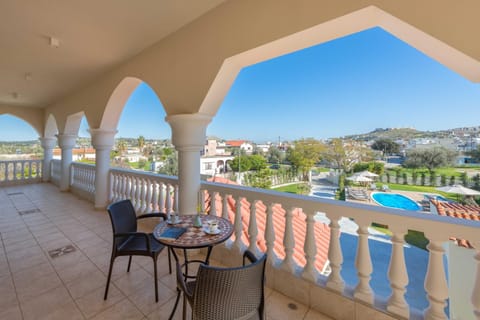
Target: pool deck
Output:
{"points": [[415, 196]]}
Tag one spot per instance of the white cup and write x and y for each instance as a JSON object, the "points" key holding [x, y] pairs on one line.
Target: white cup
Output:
{"points": [[212, 226]]}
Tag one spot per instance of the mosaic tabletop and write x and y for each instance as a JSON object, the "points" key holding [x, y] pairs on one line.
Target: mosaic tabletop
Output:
{"points": [[195, 237]]}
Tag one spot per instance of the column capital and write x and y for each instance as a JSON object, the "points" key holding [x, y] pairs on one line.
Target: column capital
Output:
{"points": [[48, 142], [103, 139], [66, 141], [189, 130]]}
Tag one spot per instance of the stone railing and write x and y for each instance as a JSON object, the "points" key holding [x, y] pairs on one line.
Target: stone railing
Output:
{"points": [[82, 180], [20, 171], [55, 171], [437, 229], [148, 192]]}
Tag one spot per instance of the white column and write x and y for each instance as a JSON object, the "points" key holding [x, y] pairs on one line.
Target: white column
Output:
{"points": [[66, 142], [48, 143], [102, 141], [436, 281], [188, 137], [397, 273]]}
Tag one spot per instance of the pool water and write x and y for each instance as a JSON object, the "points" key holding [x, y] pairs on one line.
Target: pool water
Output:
{"points": [[395, 200]]}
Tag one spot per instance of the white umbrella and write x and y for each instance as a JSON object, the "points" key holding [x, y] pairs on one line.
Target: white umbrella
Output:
{"points": [[459, 189], [366, 173], [357, 178]]}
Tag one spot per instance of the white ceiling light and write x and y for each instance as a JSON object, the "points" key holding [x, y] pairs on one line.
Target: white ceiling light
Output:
{"points": [[15, 95], [54, 42], [28, 76]]}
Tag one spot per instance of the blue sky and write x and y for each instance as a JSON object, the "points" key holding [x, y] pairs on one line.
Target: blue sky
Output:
{"points": [[350, 85]]}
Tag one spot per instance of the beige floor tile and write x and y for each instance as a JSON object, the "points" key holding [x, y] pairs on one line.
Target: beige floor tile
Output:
{"points": [[45, 304], [277, 307], [82, 286], [144, 297], [28, 289], [10, 312], [163, 311], [314, 315], [123, 310], [93, 303], [132, 281], [7, 292], [80, 270]]}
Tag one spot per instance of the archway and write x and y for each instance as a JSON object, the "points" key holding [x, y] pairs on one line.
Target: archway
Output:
{"points": [[357, 21]]}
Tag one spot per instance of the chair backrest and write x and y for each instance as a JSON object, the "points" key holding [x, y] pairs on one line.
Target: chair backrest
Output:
{"points": [[230, 293], [123, 218]]}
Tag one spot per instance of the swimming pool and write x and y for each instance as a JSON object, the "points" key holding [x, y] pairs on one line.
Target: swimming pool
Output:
{"points": [[395, 200]]}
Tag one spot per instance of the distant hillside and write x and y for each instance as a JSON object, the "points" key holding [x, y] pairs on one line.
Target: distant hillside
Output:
{"points": [[392, 134]]}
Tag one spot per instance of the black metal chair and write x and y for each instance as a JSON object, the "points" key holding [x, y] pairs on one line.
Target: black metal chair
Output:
{"points": [[226, 293], [127, 241]]}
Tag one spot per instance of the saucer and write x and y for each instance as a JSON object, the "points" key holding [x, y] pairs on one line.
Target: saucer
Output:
{"points": [[207, 231], [172, 222]]}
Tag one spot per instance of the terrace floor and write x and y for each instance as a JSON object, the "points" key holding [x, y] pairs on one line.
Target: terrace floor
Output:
{"points": [[38, 221]]}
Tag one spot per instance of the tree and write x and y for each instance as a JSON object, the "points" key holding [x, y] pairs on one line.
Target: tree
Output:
{"points": [[387, 146], [170, 166], [274, 155], [240, 163], [304, 154], [429, 158], [475, 154], [141, 142], [122, 147], [257, 162], [344, 154]]}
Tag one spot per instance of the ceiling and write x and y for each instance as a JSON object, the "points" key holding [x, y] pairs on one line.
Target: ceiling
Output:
{"points": [[94, 36]]}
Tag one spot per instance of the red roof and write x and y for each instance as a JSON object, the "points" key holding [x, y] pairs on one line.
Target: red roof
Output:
{"points": [[235, 143], [460, 211], [322, 231]]}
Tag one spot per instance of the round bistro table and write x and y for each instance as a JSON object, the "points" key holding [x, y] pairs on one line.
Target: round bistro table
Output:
{"points": [[193, 238]]}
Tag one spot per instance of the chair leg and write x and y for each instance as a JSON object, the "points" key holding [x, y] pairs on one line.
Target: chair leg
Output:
{"points": [[155, 277], [129, 263], [184, 312], [112, 260], [169, 261]]}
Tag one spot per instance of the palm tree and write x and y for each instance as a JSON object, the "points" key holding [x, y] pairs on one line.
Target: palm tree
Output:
{"points": [[141, 142], [122, 147]]}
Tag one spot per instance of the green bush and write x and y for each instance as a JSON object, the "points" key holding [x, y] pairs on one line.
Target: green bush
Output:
{"points": [[423, 178], [443, 180], [405, 180]]}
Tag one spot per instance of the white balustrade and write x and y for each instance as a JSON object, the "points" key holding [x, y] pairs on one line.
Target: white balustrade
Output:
{"points": [[20, 171], [82, 181], [399, 220], [149, 192], [55, 171]]}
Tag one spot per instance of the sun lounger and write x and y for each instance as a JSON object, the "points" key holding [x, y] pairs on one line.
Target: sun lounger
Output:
{"points": [[357, 194], [385, 188]]}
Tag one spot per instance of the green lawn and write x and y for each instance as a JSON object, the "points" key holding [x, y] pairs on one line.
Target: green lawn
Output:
{"points": [[424, 189], [291, 188]]}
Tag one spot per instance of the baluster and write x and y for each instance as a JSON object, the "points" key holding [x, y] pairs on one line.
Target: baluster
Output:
{"points": [[225, 207], [310, 249], [115, 184], [253, 229], [168, 199], [128, 188], [335, 256], [363, 263], [122, 187], [143, 192], [22, 170], [161, 204], [149, 196], [435, 281], [155, 207], [6, 170], [476, 287], [270, 234], [237, 226], [288, 242], [138, 193], [176, 198], [397, 274], [30, 169], [14, 171], [202, 200], [213, 204]]}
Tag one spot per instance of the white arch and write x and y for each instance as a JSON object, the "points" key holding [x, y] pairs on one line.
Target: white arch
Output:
{"points": [[51, 129], [72, 124], [37, 130], [117, 101], [354, 22]]}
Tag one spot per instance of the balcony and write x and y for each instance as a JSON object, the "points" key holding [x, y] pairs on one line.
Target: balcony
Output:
{"points": [[37, 219]]}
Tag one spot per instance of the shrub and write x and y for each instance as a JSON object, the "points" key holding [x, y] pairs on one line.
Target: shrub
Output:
{"points": [[423, 178], [452, 180], [405, 180], [443, 179], [433, 178]]}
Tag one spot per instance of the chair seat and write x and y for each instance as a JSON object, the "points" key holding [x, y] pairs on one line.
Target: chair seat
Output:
{"points": [[136, 245]]}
